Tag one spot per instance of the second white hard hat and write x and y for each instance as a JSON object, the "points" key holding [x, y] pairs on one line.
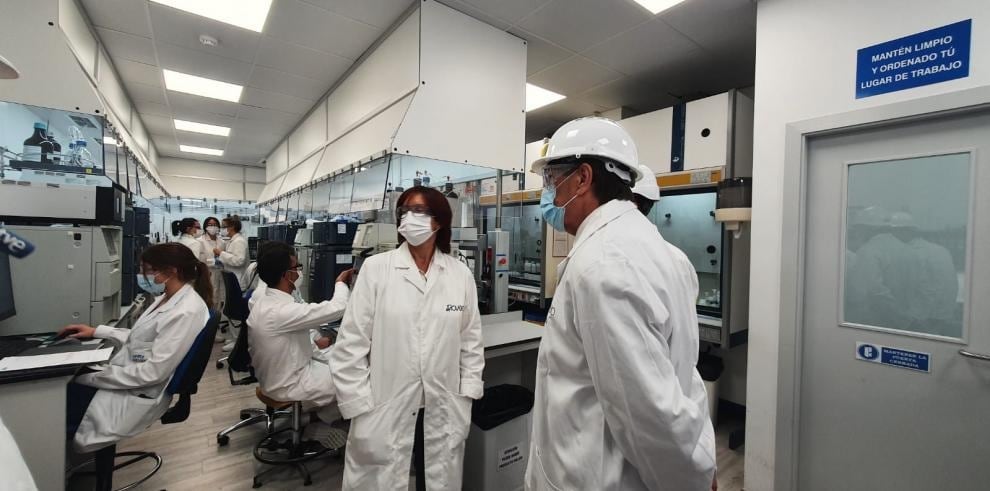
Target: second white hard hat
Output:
{"points": [[592, 137], [647, 186]]}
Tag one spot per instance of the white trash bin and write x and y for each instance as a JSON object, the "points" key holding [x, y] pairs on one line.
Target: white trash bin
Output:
{"points": [[495, 458]]}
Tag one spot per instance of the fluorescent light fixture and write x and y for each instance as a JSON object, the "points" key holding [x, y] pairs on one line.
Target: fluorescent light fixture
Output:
{"points": [[202, 150], [249, 14], [109, 141], [206, 87], [537, 97], [208, 129], [655, 6]]}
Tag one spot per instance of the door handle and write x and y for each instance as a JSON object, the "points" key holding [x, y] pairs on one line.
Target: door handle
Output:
{"points": [[975, 356]]}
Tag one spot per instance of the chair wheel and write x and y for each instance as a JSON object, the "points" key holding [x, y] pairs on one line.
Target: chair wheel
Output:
{"points": [[219, 365], [257, 483], [223, 440]]}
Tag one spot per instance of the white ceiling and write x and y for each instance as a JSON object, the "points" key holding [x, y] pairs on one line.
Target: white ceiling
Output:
{"points": [[601, 54]]}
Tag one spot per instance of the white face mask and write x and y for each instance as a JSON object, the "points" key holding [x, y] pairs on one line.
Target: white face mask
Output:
{"points": [[199, 233], [213, 229], [416, 228]]}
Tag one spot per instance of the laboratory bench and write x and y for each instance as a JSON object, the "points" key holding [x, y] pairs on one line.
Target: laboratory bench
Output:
{"points": [[511, 346]]}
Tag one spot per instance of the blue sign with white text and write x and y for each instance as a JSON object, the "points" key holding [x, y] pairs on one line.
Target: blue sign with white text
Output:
{"points": [[895, 357], [925, 58]]}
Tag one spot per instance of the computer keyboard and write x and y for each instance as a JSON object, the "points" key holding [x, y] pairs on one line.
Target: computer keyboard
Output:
{"points": [[14, 347]]}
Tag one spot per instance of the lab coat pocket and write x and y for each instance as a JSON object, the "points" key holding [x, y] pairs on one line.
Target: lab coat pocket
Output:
{"points": [[140, 351], [458, 417], [370, 441]]}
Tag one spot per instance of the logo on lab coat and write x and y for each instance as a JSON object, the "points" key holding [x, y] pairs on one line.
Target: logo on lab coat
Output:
{"points": [[455, 308]]}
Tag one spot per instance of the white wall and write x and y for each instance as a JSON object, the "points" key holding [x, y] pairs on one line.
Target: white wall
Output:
{"points": [[806, 64], [201, 179]]}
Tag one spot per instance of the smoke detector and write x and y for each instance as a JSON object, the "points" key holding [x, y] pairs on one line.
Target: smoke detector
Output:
{"points": [[208, 41]]}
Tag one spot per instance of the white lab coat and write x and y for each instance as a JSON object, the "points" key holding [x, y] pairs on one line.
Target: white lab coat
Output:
{"points": [[282, 349], [408, 342], [132, 387], [934, 285], [619, 402], [235, 258], [216, 278], [878, 283], [193, 244]]}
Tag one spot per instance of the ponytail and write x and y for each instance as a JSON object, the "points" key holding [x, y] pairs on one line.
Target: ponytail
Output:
{"points": [[202, 284], [188, 267], [180, 227], [175, 228]]}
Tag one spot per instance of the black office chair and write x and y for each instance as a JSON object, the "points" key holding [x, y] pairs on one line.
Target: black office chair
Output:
{"points": [[183, 384], [235, 306]]}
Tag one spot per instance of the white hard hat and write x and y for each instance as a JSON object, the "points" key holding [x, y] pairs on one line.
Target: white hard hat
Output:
{"points": [[593, 137], [902, 219], [647, 186], [873, 216]]}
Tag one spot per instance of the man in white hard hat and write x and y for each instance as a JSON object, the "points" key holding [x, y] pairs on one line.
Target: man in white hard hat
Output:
{"points": [[619, 403], [646, 192]]}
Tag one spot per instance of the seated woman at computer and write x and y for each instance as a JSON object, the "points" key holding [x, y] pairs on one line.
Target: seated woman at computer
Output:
{"points": [[128, 395], [279, 333]]}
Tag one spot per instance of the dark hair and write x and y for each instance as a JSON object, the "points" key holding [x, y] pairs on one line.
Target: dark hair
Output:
{"points": [[606, 185], [206, 223], [186, 264], [439, 207], [181, 226], [644, 204], [274, 260], [234, 222]]}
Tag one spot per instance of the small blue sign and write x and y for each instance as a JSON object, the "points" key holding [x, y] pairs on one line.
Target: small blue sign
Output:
{"points": [[895, 357], [925, 58]]}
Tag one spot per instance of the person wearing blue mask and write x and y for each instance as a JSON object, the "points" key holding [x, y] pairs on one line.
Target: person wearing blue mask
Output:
{"points": [[619, 403], [128, 394]]}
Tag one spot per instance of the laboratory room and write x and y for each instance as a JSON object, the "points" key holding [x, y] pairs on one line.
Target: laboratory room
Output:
{"points": [[675, 245]]}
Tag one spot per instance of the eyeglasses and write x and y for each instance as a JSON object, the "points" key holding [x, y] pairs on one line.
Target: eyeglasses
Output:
{"points": [[415, 210], [297, 268], [551, 174]]}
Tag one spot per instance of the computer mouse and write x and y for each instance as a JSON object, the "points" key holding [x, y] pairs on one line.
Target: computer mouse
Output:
{"points": [[66, 341]]}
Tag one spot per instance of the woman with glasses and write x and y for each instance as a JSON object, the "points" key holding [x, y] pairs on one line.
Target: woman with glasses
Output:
{"points": [[409, 355], [125, 397]]}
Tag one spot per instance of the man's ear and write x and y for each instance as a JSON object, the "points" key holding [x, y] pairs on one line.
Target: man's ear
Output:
{"points": [[584, 175]]}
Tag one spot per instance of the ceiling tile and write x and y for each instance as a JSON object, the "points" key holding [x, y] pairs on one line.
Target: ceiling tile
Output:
{"points": [[199, 116], [580, 24], [144, 92], [185, 102], [654, 44], [273, 100], [538, 127], [378, 13], [307, 25], [285, 83], [201, 140], [568, 109], [476, 13], [195, 62], [124, 46], [268, 116], [302, 61], [145, 107], [161, 125], [132, 71], [573, 76], [629, 92], [540, 53], [715, 24], [120, 15], [511, 11], [183, 29]]}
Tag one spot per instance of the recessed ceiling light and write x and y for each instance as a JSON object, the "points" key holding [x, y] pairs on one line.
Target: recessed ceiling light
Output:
{"points": [[249, 14], [656, 6], [109, 141], [537, 97], [206, 87], [208, 129], [206, 151]]}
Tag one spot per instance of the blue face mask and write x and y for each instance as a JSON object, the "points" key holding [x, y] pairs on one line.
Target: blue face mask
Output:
{"points": [[553, 214], [147, 283]]}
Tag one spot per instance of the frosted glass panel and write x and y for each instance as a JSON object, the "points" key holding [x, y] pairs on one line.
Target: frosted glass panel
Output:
{"points": [[905, 244]]}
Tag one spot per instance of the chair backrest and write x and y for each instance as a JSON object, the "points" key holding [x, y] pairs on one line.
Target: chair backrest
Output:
{"points": [[235, 306], [190, 370], [239, 359]]}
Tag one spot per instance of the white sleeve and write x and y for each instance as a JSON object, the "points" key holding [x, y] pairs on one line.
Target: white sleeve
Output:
{"points": [[472, 345], [236, 254], [116, 334], [303, 316], [349, 362], [167, 351], [13, 468], [647, 412]]}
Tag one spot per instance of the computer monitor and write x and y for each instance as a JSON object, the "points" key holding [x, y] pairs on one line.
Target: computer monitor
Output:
{"points": [[6, 289]]}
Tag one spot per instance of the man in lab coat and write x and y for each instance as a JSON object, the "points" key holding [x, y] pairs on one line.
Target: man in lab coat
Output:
{"points": [[619, 402], [279, 332]]}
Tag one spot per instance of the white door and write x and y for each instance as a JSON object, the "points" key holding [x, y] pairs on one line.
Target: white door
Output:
{"points": [[893, 391]]}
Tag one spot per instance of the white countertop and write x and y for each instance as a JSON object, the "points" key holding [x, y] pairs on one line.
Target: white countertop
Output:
{"points": [[502, 331]]}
